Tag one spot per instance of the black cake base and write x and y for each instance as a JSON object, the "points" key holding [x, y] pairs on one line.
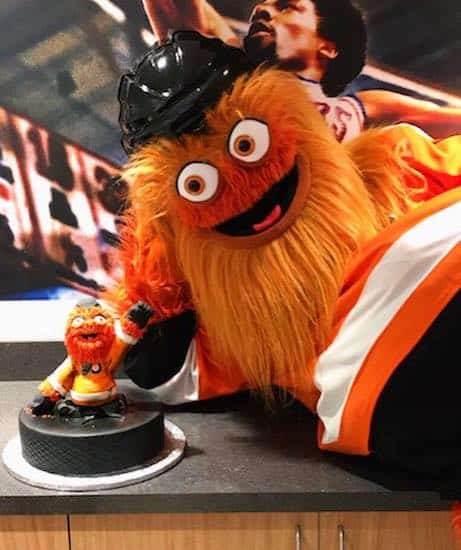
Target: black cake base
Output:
{"points": [[95, 446]]}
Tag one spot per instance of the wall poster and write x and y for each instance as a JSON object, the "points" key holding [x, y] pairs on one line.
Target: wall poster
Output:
{"points": [[363, 63]]}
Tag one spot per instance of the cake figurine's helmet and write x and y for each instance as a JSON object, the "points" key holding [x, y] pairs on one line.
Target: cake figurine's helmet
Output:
{"points": [[169, 89]]}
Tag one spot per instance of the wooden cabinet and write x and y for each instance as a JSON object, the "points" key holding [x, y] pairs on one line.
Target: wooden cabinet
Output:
{"points": [[34, 533], [386, 531], [361, 531], [194, 532], [254, 531]]}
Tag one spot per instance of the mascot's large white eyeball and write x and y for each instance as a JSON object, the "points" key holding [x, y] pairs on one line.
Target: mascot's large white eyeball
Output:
{"points": [[197, 181], [249, 140]]}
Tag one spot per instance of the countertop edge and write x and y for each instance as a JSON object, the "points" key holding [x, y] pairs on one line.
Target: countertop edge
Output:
{"points": [[215, 503]]}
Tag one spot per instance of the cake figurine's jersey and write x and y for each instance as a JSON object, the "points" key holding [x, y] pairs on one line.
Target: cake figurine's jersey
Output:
{"points": [[89, 384], [345, 115]]}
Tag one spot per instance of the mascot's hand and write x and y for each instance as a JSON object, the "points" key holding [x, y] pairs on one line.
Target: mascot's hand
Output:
{"points": [[140, 314], [41, 405], [160, 354]]}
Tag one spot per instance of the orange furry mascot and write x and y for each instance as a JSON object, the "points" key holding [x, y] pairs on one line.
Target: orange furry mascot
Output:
{"points": [[273, 255]]}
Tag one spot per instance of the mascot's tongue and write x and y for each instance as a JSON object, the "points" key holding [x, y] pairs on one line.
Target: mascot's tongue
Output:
{"points": [[269, 220]]}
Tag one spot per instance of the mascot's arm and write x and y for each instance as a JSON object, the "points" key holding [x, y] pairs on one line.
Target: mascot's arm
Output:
{"points": [[151, 277]]}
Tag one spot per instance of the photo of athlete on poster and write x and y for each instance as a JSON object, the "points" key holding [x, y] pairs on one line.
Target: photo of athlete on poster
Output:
{"points": [[324, 43], [60, 154]]}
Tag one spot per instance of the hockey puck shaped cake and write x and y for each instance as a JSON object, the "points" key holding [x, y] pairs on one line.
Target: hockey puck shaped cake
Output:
{"points": [[92, 445]]}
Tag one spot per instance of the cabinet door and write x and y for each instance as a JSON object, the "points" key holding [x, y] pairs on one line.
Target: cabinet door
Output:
{"points": [[194, 532], [34, 533], [386, 531]]}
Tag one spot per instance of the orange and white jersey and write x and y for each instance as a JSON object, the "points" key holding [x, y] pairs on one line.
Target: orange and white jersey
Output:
{"points": [[345, 115], [394, 291], [398, 285], [97, 386]]}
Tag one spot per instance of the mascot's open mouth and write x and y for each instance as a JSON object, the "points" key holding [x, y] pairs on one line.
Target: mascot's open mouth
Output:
{"points": [[269, 210], [89, 335]]}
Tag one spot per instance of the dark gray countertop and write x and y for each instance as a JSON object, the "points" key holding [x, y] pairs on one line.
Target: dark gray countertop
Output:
{"points": [[239, 458]]}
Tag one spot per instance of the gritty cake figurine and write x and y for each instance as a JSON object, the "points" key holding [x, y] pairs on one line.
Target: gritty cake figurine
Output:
{"points": [[83, 386], [81, 431]]}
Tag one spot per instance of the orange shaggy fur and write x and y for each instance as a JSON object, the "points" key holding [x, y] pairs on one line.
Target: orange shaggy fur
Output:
{"points": [[267, 309]]}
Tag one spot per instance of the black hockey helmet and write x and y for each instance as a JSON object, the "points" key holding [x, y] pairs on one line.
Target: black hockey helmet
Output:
{"points": [[169, 89]]}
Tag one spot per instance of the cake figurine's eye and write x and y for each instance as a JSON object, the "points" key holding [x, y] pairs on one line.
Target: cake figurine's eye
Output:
{"points": [[197, 181], [100, 319], [77, 322], [249, 140]]}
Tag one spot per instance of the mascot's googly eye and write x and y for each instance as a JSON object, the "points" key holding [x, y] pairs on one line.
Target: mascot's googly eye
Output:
{"points": [[100, 319], [249, 140], [77, 322], [198, 181]]}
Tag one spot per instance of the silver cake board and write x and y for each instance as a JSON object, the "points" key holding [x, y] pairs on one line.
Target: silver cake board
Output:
{"points": [[172, 453]]}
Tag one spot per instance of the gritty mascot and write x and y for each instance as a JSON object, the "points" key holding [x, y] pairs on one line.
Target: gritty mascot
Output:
{"points": [[272, 255]]}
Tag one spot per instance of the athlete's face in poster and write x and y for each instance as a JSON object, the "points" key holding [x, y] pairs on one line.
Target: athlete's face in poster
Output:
{"points": [[284, 31]]}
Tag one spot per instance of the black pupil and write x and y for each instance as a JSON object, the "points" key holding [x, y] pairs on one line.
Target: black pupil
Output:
{"points": [[244, 145], [194, 186]]}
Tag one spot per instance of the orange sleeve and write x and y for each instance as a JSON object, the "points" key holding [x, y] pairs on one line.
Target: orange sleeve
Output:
{"points": [[60, 381]]}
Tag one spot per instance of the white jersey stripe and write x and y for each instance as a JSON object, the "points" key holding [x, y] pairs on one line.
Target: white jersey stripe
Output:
{"points": [[401, 270], [184, 385]]}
